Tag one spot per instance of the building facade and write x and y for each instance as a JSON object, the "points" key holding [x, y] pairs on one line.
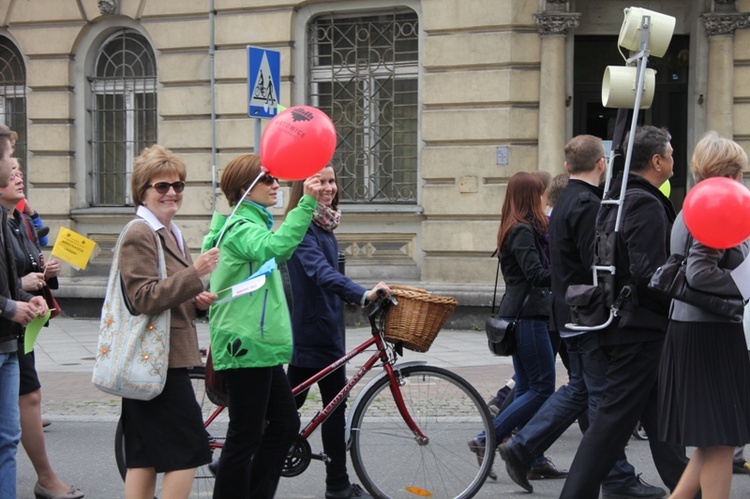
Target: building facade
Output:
{"points": [[436, 103]]}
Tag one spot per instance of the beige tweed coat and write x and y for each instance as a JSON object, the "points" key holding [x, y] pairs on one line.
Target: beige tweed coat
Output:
{"points": [[150, 295]]}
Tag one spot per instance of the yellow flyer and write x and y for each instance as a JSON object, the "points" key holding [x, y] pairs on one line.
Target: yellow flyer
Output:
{"points": [[73, 248]]}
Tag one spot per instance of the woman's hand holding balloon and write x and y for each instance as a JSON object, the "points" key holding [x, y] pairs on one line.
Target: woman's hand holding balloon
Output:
{"points": [[207, 262], [312, 186]]}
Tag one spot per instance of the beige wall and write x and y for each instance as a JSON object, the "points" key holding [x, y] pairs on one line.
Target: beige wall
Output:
{"points": [[479, 89]]}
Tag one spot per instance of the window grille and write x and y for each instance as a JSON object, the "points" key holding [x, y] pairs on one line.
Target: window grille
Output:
{"points": [[123, 114], [13, 96], [363, 72]]}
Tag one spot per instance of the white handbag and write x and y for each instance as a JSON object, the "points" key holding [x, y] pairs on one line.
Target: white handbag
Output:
{"points": [[132, 355]]}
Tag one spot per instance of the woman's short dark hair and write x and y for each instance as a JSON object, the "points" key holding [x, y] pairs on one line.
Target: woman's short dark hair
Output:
{"points": [[238, 175]]}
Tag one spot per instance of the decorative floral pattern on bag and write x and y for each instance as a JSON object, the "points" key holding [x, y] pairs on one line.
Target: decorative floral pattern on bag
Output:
{"points": [[133, 350]]}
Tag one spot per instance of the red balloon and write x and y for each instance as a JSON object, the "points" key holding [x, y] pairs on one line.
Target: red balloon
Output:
{"points": [[297, 143], [717, 212]]}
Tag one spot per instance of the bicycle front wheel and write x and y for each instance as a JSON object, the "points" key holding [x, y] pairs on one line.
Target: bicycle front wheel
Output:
{"points": [[391, 461]]}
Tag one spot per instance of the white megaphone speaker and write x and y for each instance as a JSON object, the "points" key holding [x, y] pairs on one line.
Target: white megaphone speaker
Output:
{"points": [[660, 30], [619, 87]]}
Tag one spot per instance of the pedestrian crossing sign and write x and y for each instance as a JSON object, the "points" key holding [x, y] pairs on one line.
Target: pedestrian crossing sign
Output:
{"points": [[264, 68]]}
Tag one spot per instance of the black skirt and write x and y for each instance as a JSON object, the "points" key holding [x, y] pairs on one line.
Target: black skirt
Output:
{"points": [[166, 433], [704, 385]]}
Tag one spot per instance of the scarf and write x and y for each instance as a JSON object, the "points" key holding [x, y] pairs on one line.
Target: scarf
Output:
{"points": [[326, 217]]}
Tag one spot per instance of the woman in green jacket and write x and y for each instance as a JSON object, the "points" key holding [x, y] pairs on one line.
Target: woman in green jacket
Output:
{"points": [[251, 335]]}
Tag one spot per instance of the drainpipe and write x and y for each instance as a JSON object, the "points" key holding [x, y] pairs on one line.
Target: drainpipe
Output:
{"points": [[212, 80]]}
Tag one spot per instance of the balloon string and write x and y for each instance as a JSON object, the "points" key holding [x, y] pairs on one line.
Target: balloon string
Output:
{"points": [[263, 171]]}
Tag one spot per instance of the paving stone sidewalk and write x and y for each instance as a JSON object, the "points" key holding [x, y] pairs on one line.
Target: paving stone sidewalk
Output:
{"points": [[65, 357]]}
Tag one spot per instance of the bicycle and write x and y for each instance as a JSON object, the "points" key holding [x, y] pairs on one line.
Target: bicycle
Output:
{"points": [[406, 429]]}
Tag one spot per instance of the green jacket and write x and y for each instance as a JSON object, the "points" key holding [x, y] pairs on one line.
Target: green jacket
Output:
{"points": [[254, 329]]}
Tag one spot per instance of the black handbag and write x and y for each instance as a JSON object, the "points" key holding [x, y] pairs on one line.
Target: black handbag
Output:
{"points": [[501, 334], [671, 280]]}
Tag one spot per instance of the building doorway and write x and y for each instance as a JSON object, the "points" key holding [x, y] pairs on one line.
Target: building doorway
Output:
{"points": [[669, 109]]}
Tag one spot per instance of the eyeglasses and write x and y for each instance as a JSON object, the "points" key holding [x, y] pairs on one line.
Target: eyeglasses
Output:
{"points": [[163, 187], [16, 175], [267, 179]]}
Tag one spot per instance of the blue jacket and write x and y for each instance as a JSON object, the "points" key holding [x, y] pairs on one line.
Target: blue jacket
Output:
{"points": [[317, 288]]}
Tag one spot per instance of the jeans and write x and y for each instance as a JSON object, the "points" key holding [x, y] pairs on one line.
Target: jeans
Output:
{"points": [[10, 422], [263, 423], [534, 365], [588, 377], [333, 430]]}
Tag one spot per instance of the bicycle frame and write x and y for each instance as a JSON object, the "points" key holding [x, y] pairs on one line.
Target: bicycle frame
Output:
{"points": [[381, 354]]}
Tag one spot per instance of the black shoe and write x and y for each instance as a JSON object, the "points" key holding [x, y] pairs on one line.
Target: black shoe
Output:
{"points": [[517, 470], [478, 447], [546, 470], [353, 490], [740, 467], [637, 489]]}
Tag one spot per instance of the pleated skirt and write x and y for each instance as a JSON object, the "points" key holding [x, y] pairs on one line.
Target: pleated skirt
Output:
{"points": [[704, 385]]}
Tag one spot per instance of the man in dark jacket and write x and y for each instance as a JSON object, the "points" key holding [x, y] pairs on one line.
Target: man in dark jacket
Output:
{"points": [[571, 232], [633, 342], [13, 314]]}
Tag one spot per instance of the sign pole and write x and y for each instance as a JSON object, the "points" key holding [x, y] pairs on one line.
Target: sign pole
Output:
{"points": [[257, 137]]}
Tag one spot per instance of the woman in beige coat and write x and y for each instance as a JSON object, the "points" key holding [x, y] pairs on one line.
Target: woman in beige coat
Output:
{"points": [[165, 434]]}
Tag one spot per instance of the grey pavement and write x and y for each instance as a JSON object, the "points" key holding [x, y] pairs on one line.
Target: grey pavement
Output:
{"points": [[65, 353], [65, 357]]}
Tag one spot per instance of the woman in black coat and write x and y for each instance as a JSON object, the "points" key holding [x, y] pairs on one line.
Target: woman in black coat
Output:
{"points": [[525, 266]]}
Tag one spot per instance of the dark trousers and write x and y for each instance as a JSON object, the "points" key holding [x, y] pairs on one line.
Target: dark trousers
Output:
{"points": [[333, 430], [631, 393], [263, 423]]}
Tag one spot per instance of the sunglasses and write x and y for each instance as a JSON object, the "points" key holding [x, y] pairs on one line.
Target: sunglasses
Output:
{"points": [[163, 187], [267, 179]]}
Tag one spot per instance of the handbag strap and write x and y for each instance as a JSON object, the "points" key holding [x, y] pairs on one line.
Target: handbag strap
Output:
{"points": [[494, 293], [115, 272]]}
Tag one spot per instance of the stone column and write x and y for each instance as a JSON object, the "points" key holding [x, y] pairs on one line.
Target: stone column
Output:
{"points": [[553, 26], [720, 27]]}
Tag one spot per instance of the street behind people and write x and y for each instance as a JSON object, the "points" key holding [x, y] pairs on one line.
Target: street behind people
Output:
{"points": [[164, 434], [704, 379], [251, 336], [318, 288], [633, 342]]}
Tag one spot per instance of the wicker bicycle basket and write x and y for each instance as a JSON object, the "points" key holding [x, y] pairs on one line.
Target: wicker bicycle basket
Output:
{"points": [[418, 317]]}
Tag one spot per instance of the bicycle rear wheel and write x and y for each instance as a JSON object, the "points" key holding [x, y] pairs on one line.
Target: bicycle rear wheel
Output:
{"points": [[203, 485], [391, 462]]}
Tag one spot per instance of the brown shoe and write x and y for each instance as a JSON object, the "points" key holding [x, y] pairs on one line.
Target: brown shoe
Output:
{"points": [[46, 423]]}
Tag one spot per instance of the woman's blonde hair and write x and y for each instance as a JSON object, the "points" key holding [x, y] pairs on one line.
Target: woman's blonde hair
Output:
{"points": [[154, 161], [715, 156], [238, 175]]}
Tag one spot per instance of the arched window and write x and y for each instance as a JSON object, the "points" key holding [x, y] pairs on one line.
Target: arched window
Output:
{"points": [[13, 95], [123, 113]]}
